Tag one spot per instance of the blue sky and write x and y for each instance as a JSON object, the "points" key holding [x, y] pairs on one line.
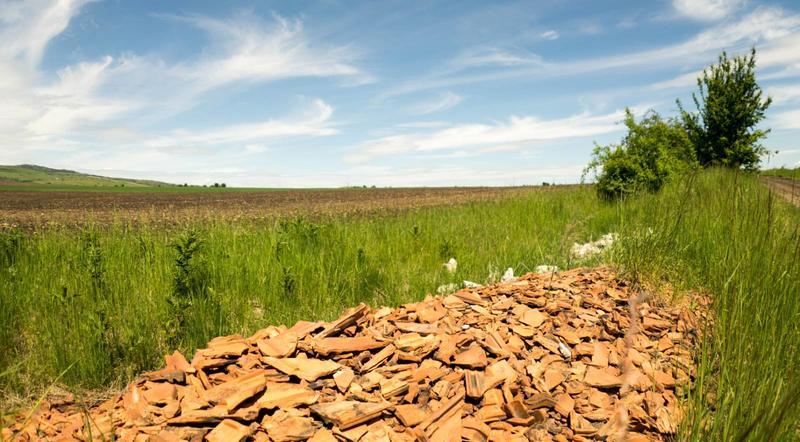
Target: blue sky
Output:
{"points": [[334, 93]]}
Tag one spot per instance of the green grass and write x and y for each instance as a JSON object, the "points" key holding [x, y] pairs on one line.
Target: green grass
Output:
{"points": [[783, 172], [31, 175], [726, 233], [111, 300]]}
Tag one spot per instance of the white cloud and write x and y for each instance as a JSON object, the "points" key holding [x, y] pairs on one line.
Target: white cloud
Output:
{"points": [[489, 56], [550, 34], [27, 26], [423, 124], [681, 81], [92, 104], [248, 49], [706, 10], [314, 123], [772, 28], [787, 120], [486, 137], [255, 148], [442, 102], [783, 93]]}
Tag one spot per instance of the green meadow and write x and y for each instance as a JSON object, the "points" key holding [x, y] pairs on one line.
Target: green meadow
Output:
{"points": [[101, 304]]}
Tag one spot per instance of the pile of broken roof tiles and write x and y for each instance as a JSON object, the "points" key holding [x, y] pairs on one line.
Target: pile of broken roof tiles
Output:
{"points": [[545, 357]]}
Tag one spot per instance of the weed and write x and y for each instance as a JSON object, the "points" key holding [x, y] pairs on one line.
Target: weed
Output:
{"points": [[189, 281], [287, 282]]}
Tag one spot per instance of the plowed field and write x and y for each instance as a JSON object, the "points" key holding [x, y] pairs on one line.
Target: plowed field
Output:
{"points": [[36, 208]]}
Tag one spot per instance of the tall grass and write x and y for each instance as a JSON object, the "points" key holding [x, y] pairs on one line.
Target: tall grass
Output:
{"points": [[726, 233], [112, 299]]}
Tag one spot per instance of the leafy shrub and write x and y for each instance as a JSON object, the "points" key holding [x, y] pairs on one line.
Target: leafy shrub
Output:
{"points": [[652, 151], [729, 107]]}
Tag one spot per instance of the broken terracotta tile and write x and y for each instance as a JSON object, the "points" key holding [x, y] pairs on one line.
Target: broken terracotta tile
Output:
{"points": [[404, 373], [409, 414], [602, 377], [532, 317], [378, 358], [414, 327], [306, 369], [553, 378], [599, 355], [343, 378], [286, 396], [236, 391], [326, 346], [474, 357], [564, 404], [160, 393], [346, 414], [348, 318], [285, 427], [281, 346], [229, 431]]}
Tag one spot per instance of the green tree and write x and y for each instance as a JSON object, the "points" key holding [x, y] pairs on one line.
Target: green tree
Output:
{"points": [[729, 106], [653, 149]]}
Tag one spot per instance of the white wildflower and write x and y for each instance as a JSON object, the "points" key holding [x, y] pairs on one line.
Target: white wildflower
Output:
{"points": [[546, 270]]}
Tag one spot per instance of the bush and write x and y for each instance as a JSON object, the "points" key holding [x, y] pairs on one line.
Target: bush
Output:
{"points": [[652, 151], [729, 106]]}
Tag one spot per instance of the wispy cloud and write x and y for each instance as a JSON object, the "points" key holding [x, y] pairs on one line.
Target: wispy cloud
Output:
{"points": [[442, 102], [28, 26], [90, 101], [706, 10], [787, 120], [784, 93], [764, 26], [681, 81], [423, 124], [550, 34], [248, 49], [488, 137], [315, 122]]}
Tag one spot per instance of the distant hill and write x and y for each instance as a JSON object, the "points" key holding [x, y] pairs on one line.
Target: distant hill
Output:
{"points": [[32, 174]]}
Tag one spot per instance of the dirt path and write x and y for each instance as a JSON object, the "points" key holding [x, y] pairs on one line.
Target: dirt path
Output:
{"points": [[785, 187]]}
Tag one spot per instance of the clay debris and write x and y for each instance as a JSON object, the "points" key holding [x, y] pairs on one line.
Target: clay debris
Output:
{"points": [[544, 357]]}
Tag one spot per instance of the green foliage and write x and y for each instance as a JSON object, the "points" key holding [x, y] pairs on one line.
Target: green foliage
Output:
{"points": [[10, 245], [653, 150], [729, 106], [93, 259], [189, 282], [187, 275]]}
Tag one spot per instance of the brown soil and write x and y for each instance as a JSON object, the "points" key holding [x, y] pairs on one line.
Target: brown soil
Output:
{"points": [[787, 188], [38, 208], [579, 355]]}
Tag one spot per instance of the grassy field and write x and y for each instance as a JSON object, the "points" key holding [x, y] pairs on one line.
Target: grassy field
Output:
{"points": [[783, 172], [47, 178], [108, 301]]}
